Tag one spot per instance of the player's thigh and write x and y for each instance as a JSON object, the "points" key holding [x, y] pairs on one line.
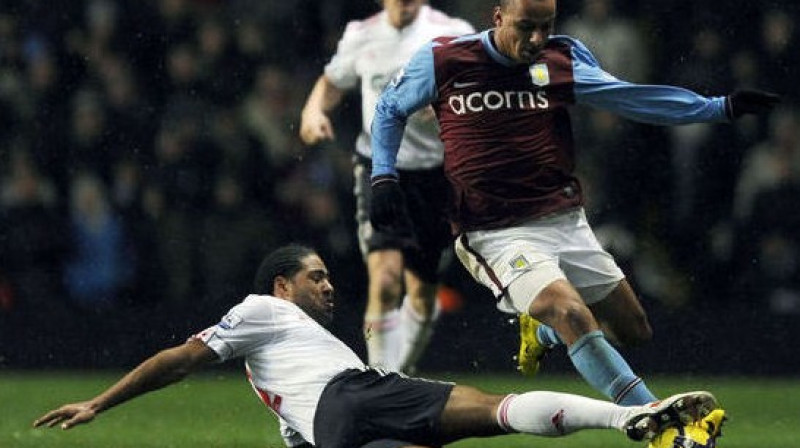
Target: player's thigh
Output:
{"points": [[516, 264], [623, 314]]}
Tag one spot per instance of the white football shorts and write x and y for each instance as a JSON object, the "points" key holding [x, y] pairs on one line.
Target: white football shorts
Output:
{"points": [[518, 262]]}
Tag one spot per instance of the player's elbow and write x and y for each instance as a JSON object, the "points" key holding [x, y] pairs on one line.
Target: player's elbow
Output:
{"points": [[387, 110], [183, 360]]}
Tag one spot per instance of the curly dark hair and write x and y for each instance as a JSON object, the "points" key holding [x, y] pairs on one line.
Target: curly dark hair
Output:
{"points": [[284, 261]]}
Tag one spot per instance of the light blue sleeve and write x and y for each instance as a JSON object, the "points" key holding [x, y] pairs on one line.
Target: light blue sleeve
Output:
{"points": [[412, 89], [652, 104]]}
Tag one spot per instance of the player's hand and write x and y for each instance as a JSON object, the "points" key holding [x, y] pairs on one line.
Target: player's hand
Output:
{"points": [[387, 207], [743, 102], [68, 415], [315, 127]]}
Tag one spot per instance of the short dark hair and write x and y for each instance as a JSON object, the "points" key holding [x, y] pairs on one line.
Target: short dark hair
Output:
{"points": [[284, 261]]}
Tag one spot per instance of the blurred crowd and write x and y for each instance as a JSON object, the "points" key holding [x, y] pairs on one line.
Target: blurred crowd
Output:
{"points": [[149, 157]]}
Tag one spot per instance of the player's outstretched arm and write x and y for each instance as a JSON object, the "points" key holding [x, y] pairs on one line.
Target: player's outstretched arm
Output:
{"points": [[660, 105], [166, 367]]}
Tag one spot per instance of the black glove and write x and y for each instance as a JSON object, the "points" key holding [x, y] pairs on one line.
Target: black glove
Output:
{"points": [[387, 207], [743, 102]]}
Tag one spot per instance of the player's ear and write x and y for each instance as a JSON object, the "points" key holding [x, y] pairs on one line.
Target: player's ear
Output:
{"points": [[282, 287], [497, 16]]}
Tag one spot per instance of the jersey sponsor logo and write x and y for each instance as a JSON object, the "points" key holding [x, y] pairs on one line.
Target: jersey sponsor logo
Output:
{"points": [[494, 100], [230, 321], [540, 75]]}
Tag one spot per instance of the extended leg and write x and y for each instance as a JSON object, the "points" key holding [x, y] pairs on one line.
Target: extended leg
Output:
{"points": [[472, 413]]}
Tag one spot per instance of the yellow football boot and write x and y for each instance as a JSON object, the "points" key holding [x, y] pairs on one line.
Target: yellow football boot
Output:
{"points": [[531, 351], [662, 421]]}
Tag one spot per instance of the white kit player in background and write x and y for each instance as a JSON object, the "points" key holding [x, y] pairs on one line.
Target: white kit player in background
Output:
{"points": [[402, 264], [325, 397]]}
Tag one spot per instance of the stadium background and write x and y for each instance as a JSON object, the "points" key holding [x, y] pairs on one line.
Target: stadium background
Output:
{"points": [[149, 157]]}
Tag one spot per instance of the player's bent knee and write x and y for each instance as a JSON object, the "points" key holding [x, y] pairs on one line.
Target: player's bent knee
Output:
{"points": [[577, 316], [389, 283], [570, 318]]}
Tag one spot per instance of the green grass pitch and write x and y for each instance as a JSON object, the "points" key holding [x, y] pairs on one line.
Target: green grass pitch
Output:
{"points": [[218, 409]]}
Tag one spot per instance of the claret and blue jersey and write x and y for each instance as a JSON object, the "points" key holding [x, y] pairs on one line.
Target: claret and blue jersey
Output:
{"points": [[509, 152]]}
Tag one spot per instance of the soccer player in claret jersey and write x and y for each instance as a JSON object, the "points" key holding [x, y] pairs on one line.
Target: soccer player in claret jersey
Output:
{"points": [[325, 397], [501, 98], [401, 260]]}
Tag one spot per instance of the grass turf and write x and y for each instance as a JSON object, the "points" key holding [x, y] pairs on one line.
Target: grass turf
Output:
{"points": [[218, 409]]}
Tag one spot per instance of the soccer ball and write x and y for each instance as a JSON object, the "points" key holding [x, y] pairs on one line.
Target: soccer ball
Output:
{"points": [[689, 436], [701, 434]]}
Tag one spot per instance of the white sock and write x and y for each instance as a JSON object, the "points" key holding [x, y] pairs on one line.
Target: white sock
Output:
{"points": [[382, 337], [555, 414], [415, 334]]}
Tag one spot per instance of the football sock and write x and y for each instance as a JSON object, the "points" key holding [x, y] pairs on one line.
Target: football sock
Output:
{"points": [[382, 337], [604, 368], [547, 336], [415, 333], [556, 414]]}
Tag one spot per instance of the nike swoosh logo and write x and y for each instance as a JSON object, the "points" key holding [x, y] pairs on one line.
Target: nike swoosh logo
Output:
{"points": [[461, 85]]}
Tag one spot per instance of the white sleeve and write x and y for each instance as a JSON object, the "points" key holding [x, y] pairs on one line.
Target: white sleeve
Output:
{"points": [[244, 327], [341, 70]]}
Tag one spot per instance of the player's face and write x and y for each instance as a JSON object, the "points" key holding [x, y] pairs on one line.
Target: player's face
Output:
{"points": [[402, 12], [522, 28], [312, 291]]}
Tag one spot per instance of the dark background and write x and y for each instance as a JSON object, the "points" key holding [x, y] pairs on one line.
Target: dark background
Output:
{"points": [[149, 158]]}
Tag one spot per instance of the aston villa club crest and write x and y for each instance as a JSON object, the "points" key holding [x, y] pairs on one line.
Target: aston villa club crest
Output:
{"points": [[519, 263], [540, 76]]}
